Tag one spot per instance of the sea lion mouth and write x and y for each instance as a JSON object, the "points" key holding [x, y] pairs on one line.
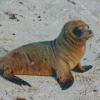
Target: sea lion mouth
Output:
{"points": [[87, 34]]}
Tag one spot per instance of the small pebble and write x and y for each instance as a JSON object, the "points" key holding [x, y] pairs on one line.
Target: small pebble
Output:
{"points": [[21, 2], [39, 16], [13, 34], [94, 90]]}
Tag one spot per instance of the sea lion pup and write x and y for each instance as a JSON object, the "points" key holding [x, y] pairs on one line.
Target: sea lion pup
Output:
{"points": [[61, 54]]}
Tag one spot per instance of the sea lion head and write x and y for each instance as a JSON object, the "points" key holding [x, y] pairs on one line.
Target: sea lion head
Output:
{"points": [[78, 29]]}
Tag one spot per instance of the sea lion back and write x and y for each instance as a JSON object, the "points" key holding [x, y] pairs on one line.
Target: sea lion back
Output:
{"points": [[31, 59]]}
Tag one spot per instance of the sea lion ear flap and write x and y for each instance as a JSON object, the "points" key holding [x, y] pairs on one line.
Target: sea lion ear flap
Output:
{"points": [[66, 32]]}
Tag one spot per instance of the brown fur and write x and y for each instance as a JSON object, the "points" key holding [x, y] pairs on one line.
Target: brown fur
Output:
{"points": [[62, 55]]}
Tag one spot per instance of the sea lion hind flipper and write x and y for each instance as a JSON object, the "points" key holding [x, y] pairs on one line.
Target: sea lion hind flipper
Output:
{"points": [[79, 68], [15, 79], [18, 81]]}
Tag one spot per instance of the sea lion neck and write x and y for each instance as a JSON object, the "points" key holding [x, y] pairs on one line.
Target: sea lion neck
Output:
{"points": [[67, 44], [69, 38]]}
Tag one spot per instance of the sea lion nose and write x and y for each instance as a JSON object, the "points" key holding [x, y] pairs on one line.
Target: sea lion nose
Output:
{"points": [[90, 31]]}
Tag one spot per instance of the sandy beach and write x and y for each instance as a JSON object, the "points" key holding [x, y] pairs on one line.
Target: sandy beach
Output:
{"points": [[27, 21]]}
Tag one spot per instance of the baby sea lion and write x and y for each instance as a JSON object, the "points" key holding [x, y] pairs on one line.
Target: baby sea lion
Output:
{"points": [[42, 58]]}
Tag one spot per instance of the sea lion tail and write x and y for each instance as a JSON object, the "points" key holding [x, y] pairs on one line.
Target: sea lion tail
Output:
{"points": [[1, 69]]}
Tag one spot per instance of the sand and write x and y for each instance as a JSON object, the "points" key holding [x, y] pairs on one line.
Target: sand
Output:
{"points": [[26, 21]]}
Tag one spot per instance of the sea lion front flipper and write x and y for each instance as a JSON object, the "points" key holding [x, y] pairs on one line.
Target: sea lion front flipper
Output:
{"points": [[65, 85], [79, 68], [64, 77]]}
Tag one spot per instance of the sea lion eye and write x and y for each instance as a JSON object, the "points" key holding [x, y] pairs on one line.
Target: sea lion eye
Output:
{"points": [[77, 31]]}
